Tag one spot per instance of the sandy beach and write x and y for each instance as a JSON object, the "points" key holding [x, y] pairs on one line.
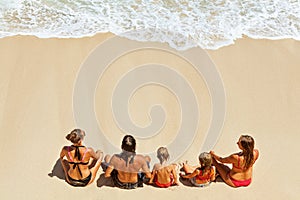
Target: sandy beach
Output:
{"points": [[261, 80]]}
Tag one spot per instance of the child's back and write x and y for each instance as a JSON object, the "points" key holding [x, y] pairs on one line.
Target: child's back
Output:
{"points": [[203, 175], [163, 175]]}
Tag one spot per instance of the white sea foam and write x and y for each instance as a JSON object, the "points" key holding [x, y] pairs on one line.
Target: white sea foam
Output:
{"points": [[183, 24]]}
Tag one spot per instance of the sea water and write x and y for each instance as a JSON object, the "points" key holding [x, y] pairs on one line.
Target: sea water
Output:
{"points": [[183, 24]]}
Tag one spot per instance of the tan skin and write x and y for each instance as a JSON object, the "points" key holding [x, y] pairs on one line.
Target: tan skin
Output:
{"points": [[193, 171], [94, 159], [127, 173], [237, 174], [163, 171]]}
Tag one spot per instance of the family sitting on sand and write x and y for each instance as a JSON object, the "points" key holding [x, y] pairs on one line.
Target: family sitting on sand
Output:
{"points": [[129, 170]]}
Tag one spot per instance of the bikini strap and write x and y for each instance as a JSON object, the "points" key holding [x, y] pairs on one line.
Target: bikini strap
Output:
{"points": [[75, 164], [77, 152], [201, 172], [69, 153], [86, 150]]}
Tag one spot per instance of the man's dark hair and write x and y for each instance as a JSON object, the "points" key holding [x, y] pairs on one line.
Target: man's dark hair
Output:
{"points": [[128, 143]]}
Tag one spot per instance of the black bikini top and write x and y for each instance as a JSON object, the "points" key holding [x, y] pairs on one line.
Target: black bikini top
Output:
{"points": [[78, 156]]}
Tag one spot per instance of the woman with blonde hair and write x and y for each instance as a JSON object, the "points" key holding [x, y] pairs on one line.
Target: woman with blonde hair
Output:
{"points": [[242, 163], [80, 163]]}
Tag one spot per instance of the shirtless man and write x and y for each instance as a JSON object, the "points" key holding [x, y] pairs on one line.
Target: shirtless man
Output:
{"points": [[127, 168]]}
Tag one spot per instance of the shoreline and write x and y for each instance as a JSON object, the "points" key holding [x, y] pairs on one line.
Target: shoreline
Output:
{"points": [[96, 35]]}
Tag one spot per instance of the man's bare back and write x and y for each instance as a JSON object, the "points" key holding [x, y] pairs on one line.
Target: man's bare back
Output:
{"points": [[128, 170]]}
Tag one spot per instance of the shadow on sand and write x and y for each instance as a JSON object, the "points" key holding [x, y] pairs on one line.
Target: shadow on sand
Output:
{"points": [[187, 182], [102, 181], [57, 170]]}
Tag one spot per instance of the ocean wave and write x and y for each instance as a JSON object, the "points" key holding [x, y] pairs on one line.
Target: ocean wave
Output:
{"points": [[183, 24]]}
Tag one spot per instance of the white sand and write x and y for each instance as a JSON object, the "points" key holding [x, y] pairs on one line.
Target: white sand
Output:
{"points": [[262, 84]]}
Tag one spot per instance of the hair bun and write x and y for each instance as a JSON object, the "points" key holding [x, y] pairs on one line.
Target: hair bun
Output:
{"points": [[74, 136]]}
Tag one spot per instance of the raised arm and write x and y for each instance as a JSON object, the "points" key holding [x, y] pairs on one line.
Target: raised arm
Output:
{"points": [[195, 173], [228, 159], [96, 155], [213, 175]]}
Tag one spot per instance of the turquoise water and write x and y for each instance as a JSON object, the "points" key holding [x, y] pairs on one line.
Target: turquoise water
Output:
{"points": [[209, 24]]}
